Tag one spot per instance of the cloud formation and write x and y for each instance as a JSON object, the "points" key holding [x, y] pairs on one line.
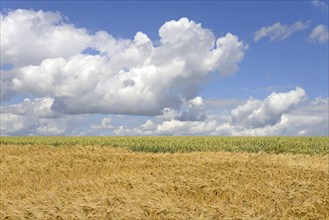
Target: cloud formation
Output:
{"points": [[105, 124], [289, 113], [195, 112], [39, 107], [28, 37], [319, 34], [259, 113], [67, 85], [126, 77], [278, 31]]}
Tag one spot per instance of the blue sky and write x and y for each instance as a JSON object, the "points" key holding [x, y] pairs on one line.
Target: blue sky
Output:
{"points": [[287, 67]]}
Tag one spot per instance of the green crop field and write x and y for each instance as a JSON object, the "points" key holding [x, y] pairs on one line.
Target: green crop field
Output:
{"points": [[294, 145]]}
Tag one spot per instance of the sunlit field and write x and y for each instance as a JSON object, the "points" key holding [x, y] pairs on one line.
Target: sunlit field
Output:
{"points": [[164, 178], [294, 145]]}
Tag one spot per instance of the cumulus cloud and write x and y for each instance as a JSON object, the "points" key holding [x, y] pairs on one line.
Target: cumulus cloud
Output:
{"points": [[127, 76], [50, 129], [33, 124], [196, 111], [137, 77], [175, 127], [168, 114], [289, 113], [12, 124], [319, 34], [39, 107], [258, 113], [278, 31], [28, 37], [35, 117], [105, 124]]}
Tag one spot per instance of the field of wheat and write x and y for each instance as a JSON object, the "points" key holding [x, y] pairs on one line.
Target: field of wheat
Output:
{"points": [[99, 178]]}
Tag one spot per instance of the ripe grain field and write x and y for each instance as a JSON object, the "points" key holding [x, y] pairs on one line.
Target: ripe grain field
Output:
{"points": [[164, 178]]}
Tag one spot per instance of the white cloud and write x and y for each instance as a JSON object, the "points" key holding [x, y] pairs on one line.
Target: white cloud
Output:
{"points": [[229, 51], [197, 101], [319, 34], [169, 114], [50, 130], [15, 124], [310, 119], [135, 77], [39, 107], [128, 77], [320, 4], [175, 127], [287, 113], [195, 112], [257, 113], [5, 89], [105, 124], [35, 117], [28, 37], [280, 31], [66, 125], [33, 124]]}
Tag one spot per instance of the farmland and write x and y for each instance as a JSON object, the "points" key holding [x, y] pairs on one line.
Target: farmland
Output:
{"points": [[164, 178], [293, 145]]}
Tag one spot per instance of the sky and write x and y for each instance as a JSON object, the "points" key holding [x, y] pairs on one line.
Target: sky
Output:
{"points": [[231, 68]]}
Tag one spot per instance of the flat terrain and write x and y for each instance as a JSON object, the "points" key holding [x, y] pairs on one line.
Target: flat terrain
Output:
{"points": [[163, 144], [56, 181]]}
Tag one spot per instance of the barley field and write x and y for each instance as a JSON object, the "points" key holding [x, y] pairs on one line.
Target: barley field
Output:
{"points": [[164, 178]]}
